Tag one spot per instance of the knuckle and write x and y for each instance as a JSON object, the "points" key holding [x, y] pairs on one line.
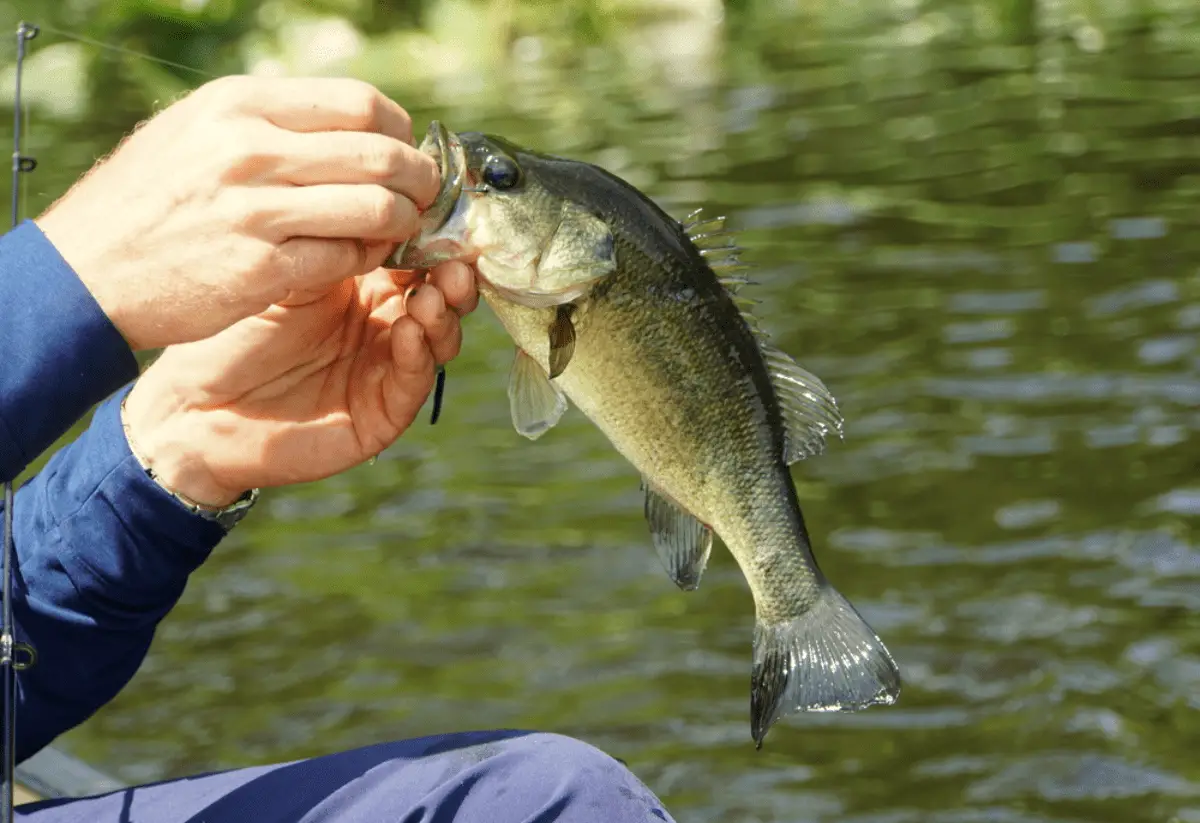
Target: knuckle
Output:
{"points": [[383, 160], [240, 211], [386, 211], [405, 122], [365, 105], [228, 92], [247, 160], [233, 143]]}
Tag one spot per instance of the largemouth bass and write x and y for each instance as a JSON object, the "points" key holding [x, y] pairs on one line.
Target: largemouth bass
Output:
{"points": [[619, 308]]}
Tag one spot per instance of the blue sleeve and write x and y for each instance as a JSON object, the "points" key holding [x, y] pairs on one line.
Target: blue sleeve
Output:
{"points": [[102, 552], [60, 353]]}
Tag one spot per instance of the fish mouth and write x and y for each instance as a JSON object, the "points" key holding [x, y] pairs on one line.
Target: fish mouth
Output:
{"points": [[447, 151]]}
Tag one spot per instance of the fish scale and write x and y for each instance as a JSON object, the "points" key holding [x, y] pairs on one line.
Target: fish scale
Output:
{"points": [[616, 307]]}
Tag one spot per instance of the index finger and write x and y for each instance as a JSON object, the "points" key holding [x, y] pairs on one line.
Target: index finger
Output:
{"points": [[330, 104]]}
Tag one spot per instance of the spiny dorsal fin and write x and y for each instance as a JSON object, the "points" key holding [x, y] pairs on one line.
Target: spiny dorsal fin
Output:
{"points": [[705, 231], [693, 223], [809, 410], [716, 244], [732, 281]]}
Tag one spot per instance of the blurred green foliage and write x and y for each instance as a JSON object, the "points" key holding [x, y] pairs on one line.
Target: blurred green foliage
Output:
{"points": [[411, 41]]}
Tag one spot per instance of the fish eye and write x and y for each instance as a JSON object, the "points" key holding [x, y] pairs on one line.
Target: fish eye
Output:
{"points": [[500, 172]]}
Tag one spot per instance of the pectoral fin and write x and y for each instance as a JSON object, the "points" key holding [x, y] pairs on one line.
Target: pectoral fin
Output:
{"points": [[683, 542], [535, 402], [562, 340]]}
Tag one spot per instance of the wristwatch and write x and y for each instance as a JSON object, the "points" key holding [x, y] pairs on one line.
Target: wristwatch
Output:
{"points": [[227, 517]]}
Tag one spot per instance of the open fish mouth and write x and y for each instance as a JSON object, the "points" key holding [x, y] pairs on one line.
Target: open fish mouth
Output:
{"points": [[446, 149]]}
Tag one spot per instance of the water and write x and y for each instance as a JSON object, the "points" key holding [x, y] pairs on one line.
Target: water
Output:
{"points": [[986, 248]]}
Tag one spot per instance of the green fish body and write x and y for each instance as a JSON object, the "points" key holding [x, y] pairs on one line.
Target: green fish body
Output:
{"points": [[618, 308]]}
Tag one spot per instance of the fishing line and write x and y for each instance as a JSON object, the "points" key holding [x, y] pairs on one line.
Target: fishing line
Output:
{"points": [[100, 44], [14, 656]]}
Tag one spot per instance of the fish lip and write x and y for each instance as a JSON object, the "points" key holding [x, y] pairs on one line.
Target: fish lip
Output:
{"points": [[446, 149]]}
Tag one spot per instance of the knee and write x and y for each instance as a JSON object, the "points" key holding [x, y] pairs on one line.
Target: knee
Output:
{"points": [[580, 781], [543, 777]]}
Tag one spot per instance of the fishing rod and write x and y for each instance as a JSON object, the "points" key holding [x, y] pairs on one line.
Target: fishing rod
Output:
{"points": [[14, 656]]}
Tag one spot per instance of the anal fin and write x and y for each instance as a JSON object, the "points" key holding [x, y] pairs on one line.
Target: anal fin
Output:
{"points": [[536, 403], [683, 543]]}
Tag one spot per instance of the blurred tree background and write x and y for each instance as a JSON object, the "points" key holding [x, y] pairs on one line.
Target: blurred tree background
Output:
{"points": [[412, 43]]}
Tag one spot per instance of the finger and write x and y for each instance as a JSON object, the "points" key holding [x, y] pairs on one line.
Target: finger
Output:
{"points": [[442, 331], [407, 278], [456, 282], [364, 211], [388, 312], [309, 104], [410, 379], [357, 157], [310, 263], [377, 252]]}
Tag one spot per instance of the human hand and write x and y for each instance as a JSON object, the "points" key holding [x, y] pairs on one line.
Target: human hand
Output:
{"points": [[244, 192], [300, 391]]}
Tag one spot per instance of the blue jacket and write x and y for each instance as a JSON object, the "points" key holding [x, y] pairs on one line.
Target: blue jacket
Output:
{"points": [[102, 552]]}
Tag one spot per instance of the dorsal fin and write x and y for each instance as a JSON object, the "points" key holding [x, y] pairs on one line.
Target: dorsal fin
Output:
{"points": [[716, 244], [810, 412], [694, 224]]}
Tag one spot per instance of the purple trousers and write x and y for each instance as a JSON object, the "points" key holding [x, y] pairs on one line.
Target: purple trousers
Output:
{"points": [[489, 777]]}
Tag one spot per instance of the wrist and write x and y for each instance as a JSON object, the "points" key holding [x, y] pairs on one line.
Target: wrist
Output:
{"points": [[174, 458], [67, 243]]}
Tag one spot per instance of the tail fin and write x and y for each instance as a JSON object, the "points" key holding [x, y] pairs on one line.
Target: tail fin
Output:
{"points": [[827, 659]]}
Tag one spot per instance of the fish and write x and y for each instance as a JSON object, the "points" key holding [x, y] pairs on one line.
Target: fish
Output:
{"points": [[639, 320]]}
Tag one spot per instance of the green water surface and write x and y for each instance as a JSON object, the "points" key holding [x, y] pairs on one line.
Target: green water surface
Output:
{"points": [[982, 234]]}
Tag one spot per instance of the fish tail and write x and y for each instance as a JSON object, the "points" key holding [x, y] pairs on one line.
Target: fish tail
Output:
{"points": [[827, 659]]}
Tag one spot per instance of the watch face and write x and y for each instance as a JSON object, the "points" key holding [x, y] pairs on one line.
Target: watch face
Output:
{"points": [[229, 517]]}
